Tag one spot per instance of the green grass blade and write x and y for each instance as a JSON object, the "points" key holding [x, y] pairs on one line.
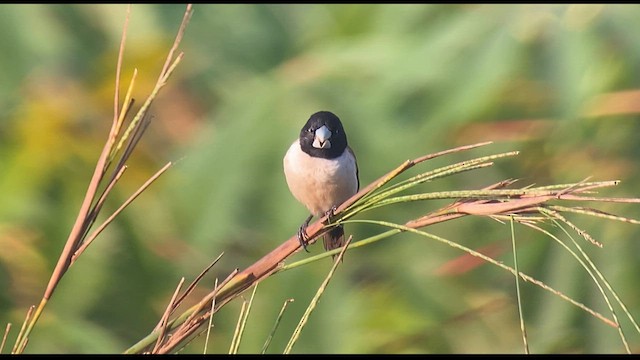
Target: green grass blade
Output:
{"points": [[316, 299], [275, 326], [515, 267], [325, 254]]}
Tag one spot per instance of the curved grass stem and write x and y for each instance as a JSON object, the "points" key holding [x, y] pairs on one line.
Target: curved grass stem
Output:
{"points": [[518, 296]]}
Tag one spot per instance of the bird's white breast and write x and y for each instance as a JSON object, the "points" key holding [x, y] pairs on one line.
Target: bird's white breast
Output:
{"points": [[318, 183]]}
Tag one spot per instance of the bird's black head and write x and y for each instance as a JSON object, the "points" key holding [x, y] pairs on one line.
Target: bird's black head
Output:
{"points": [[323, 136]]}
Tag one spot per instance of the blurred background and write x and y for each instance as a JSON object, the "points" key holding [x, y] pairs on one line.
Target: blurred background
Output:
{"points": [[560, 83]]}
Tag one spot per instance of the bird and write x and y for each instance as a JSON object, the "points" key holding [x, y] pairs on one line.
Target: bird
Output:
{"points": [[321, 172]]}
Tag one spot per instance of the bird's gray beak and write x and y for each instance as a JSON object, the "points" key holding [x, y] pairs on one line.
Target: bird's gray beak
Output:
{"points": [[321, 140]]}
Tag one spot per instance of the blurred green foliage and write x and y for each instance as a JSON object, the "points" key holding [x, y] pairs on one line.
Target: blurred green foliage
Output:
{"points": [[560, 83]]}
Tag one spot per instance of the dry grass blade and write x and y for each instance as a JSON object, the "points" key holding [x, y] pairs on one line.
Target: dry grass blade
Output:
{"points": [[116, 92], [213, 306], [162, 324], [128, 105], [243, 310], [108, 221], [187, 325], [183, 26], [4, 337], [169, 66], [21, 334], [91, 218], [199, 277], [138, 130], [205, 301], [242, 321]]}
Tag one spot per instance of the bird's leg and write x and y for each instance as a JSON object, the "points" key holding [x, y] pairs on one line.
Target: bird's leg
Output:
{"points": [[330, 214], [302, 233]]}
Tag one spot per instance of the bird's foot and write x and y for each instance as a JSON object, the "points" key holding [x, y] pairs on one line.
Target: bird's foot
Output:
{"points": [[330, 214], [302, 233]]}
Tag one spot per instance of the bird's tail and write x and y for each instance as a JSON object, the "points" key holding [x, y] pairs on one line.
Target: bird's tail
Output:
{"points": [[334, 239]]}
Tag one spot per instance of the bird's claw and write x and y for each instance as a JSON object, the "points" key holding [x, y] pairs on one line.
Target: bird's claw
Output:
{"points": [[330, 214], [302, 233], [302, 237]]}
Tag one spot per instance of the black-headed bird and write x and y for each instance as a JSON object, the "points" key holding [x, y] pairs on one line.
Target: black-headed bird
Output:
{"points": [[321, 172]]}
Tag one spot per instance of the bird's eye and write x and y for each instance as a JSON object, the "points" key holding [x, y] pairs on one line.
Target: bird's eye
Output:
{"points": [[309, 130]]}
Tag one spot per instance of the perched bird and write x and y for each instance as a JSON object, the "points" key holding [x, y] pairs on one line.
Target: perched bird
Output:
{"points": [[321, 172]]}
